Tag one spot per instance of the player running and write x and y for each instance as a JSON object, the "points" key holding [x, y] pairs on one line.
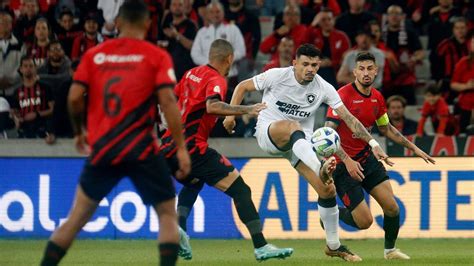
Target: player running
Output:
{"points": [[124, 79], [201, 93], [293, 94], [361, 170]]}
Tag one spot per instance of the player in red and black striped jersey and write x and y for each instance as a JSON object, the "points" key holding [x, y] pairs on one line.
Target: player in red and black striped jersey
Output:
{"points": [[201, 94], [358, 169], [124, 79], [33, 104]]}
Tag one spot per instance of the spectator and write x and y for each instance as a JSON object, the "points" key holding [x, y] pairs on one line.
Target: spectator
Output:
{"points": [[57, 63], [25, 25], [363, 44], [391, 62], [404, 42], [11, 52], [109, 12], [306, 14], [248, 24], [291, 27], [217, 29], [67, 31], [271, 7], [192, 13], [439, 23], [354, 19], [396, 112], [6, 121], [332, 43], [463, 82], [451, 50], [39, 48], [61, 122], [90, 38], [436, 108], [33, 104], [285, 54], [179, 34], [318, 6], [156, 16]]}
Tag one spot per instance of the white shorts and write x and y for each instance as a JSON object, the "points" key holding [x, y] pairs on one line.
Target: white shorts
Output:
{"points": [[266, 144]]}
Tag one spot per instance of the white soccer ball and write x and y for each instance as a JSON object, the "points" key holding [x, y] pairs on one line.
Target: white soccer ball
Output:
{"points": [[325, 141]]}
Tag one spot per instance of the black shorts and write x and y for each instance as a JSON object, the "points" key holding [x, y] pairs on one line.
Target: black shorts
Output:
{"points": [[210, 167], [350, 191], [151, 178]]}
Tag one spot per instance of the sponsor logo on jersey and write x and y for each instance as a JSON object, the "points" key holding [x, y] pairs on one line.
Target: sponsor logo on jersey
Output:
{"points": [[291, 109], [101, 58], [310, 98], [357, 101], [217, 89], [193, 77]]}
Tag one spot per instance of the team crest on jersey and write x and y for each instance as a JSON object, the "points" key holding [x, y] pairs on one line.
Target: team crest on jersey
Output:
{"points": [[310, 98], [223, 36]]}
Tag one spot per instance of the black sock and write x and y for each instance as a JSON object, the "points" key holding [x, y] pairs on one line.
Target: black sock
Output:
{"points": [[391, 225], [242, 196], [186, 198], [168, 253], [183, 213], [52, 254], [297, 135], [346, 216]]}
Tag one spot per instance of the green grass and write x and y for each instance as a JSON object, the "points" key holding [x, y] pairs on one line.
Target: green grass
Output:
{"points": [[240, 252]]}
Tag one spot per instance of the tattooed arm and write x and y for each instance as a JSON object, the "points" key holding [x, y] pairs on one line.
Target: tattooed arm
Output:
{"points": [[392, 133], [354, 168], [216, 107]]}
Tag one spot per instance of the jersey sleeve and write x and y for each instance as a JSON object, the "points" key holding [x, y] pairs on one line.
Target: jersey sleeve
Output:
{"points": [[216, 89], [164, 76], [332, 116], [382, 116], [82, 74], [264, 80], [331, 96], [458, 73]]}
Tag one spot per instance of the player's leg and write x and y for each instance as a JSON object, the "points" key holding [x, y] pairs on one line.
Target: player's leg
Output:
{"points": [[383, 194], [153, 182], [329, 213], [95, 184], [220, 173], [288, 135], [186, 198]]}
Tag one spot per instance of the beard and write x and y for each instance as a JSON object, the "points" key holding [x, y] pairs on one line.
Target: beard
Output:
{"points": [[367, 83]]}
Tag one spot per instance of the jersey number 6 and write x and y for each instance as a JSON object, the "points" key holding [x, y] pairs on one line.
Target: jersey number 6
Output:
{"points": [[112, 102]]}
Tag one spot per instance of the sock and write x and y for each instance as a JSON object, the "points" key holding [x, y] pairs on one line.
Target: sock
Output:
{"points": [[183, 213], [240, 192], [304, 150], [52, 254], [391, 225], [346, 216], [330, 216], [386, 251], [186, 198], [168, 253]]}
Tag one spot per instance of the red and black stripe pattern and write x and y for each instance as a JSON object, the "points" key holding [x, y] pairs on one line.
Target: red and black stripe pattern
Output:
{"points": [[130, 140], [32, 99]]}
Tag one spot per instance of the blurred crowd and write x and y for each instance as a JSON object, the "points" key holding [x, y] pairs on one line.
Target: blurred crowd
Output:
{"points": [[424, 50]]}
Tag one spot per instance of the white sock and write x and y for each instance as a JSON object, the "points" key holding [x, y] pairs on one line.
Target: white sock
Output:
{"points": [[386, 251], [330, 218], [304, 151]]}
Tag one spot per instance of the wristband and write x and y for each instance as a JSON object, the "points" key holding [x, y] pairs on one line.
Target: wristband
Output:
{"points": [[373, 143]]}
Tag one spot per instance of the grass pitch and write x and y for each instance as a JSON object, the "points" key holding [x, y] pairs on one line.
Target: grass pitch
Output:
{"points": [[240, 252]]}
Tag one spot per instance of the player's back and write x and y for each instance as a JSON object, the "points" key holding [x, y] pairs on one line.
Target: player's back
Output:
{"points": [[196, 87], [122, 76], [366, 108]]}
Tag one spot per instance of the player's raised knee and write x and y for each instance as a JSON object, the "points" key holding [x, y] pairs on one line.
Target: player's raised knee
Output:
{"points": [[365, 222], [392, 210]]}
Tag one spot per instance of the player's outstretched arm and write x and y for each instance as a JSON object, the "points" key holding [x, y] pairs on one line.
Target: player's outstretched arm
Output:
{"points": [[76, 108], [237, 97], [167, 102], [361, 132], [216, 107], [392, 133], [353, 167]]}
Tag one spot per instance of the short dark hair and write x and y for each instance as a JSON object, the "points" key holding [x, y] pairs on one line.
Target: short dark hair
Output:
{"points": [[220, 50], [66, 12], [133, 11], [433, 89], [365, 56], [26, 58], [53, 42], [396, 98], [308, 50], [327, 10]]}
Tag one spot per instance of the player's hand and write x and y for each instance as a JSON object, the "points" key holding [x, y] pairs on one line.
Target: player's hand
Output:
{"points": [[424, 156], [256, 108], [326, 171], [283, 30], [354, 169], [382, 156], [80, 141], [184, 162], [229, 124]]}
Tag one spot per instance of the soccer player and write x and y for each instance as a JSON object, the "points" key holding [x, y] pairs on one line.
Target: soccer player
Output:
{"points": [[360, 170], [293, 94], [124, 79], [201, 93]]}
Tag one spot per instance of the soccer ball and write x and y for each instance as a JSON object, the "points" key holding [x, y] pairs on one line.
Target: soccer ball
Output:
{"points": [[325, 141]]}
